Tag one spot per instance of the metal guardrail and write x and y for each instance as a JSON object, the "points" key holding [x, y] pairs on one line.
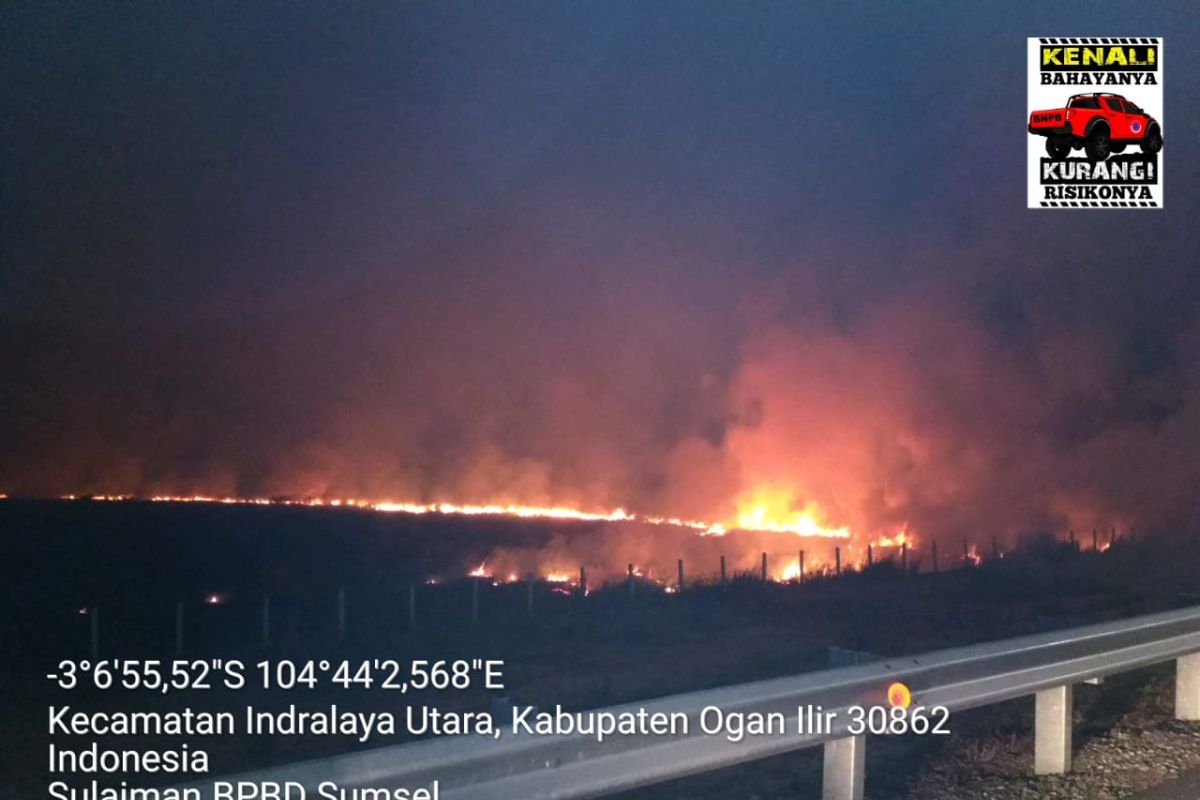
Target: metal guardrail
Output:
{"points": [[527, 767]]}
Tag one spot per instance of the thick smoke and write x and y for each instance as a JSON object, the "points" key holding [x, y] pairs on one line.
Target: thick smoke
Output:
{"points": [[657, 260], [908, 415]]}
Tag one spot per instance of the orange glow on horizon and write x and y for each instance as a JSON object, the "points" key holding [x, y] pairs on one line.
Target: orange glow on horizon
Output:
{"points": [[765, 511]]}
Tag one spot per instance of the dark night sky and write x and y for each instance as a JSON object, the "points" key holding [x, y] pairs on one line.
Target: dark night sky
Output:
{"points": [[647, 254]]}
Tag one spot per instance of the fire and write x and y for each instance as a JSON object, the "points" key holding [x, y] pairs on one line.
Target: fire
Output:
{"points": [[765, 511], [480, 572], [899, 540], [972, 556], [559, 577], [773, 510], [792, 572], [510, 510], [705, 528]]}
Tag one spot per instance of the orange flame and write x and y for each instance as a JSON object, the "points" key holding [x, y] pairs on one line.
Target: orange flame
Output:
{"points": [[764, 510], [792, 571], [899, 540], [773, 510]]}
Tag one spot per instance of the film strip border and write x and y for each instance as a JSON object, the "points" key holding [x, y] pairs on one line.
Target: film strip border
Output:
{"points": [[1099, 204], [1094, 40]]}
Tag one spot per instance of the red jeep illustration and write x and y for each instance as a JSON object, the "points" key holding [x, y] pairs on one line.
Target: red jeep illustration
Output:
{"points": [[1099, 123]]}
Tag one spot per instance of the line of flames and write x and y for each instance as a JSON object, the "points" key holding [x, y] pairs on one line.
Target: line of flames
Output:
{"points": [[803, 524]]}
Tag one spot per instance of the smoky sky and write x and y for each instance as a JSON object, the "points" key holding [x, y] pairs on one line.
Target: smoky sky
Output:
{"points": [[650, 255]]}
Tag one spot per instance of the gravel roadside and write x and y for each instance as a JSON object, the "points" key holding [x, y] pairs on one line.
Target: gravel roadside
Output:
{"points": [[1146, 747]]}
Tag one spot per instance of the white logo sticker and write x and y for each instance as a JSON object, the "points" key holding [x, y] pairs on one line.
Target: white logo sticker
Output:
{"points": [[1095, 122]]}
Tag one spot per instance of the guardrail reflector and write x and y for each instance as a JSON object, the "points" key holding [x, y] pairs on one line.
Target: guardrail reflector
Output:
{"points": [[899, 695]]}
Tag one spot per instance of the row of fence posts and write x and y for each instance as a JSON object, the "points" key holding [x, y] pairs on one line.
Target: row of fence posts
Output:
{"points": [[631, 582], [764, 573]]}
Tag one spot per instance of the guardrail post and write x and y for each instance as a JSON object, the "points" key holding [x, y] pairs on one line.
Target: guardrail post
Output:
{"points": [[1187, 687], [1052, 731], [722, 570], [679, 585], [845, 768]]}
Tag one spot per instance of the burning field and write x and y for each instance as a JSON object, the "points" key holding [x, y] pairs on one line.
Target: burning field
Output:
{"points": [[618, 339], [654, 306], [911, 419], [559, 543], [565, 546]]}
